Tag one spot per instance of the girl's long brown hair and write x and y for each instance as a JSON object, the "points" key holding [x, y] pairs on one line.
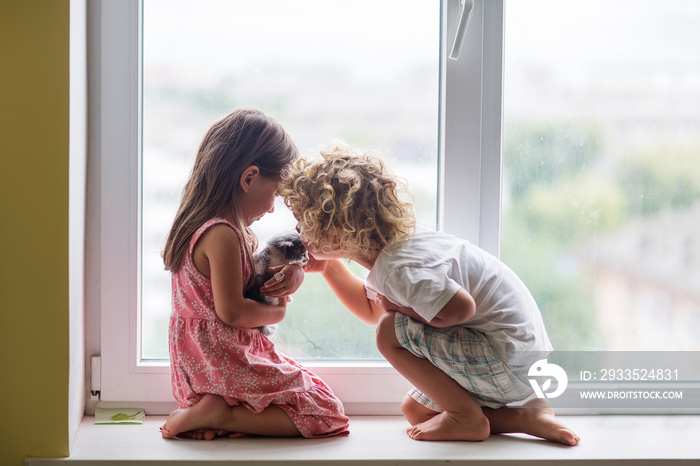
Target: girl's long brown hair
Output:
{"points": [[243, 138]]}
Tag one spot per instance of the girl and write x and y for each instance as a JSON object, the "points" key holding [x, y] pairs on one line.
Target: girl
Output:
{"points": [[452, 319], [226, 375]]}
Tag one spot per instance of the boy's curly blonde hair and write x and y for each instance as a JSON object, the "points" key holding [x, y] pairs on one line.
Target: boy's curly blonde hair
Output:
{"points": [[347, 200]]}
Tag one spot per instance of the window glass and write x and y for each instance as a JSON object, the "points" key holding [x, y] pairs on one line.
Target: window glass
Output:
{"points": [[601, 191], [365, 72]]}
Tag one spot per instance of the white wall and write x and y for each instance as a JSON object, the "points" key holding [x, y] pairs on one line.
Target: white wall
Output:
{"points": [[76, 215]]}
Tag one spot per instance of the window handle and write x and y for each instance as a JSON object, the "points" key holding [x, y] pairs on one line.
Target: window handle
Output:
{"points": [[467, 7]]}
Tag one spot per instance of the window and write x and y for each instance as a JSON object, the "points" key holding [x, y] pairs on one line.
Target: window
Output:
{"points": [[601, 163], [372, 81], [594, 202], [401, 58]]}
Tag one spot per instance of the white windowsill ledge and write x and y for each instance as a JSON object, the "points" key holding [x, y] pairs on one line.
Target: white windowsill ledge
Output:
{"points": [[381, 440]]}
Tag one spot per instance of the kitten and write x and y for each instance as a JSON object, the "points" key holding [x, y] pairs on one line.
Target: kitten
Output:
{"points": [[284, 248]]}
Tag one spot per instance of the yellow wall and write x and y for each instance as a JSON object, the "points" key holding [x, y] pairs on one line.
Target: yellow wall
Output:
{"points": [[34, 127]]}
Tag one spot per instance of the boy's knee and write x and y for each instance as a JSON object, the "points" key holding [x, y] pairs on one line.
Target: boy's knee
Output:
{"points": [[386, 319], [386, 336], [415, 412]]}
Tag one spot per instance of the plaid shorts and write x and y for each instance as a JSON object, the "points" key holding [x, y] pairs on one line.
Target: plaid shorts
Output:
{"points": [[467, 357]]}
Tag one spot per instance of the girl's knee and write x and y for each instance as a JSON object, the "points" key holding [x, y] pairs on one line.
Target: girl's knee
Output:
{"points": [[386, 335]]}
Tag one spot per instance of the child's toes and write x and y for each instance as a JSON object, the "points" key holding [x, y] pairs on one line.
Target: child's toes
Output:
{"points": [[413, 433]]}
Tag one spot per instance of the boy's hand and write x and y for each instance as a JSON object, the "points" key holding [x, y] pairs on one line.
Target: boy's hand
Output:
{"points": [[287, 279], [316, 265], [383, 303], [457, 311], [387, 305]]}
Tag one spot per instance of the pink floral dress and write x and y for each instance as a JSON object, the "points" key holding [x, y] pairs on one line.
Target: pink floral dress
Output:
{"points": [[240, 364]]}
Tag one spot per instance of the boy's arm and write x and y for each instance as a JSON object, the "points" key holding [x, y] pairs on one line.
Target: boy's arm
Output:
{"points": [[385, 305], [350, 291], [459, 309]]}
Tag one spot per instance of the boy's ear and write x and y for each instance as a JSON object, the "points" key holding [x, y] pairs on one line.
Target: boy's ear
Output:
{"points": [[247, 177]]}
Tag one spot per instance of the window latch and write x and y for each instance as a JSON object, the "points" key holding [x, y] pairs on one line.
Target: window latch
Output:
{"points": [[95, 376], [467, 9]]}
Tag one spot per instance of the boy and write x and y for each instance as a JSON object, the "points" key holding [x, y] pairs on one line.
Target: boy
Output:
{"points": [[452, 319]]}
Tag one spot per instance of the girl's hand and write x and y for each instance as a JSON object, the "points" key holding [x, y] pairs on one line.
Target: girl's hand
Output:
{"points": [[287, 279]]}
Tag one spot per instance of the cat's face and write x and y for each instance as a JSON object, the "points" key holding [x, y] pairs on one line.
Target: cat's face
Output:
{"points": [[288, 249]]}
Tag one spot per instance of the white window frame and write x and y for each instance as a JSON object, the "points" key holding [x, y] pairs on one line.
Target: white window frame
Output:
{"points": [[468, 200]]}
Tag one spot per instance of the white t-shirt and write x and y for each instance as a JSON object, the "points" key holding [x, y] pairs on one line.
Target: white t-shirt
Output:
{"points": [[425, 271]]}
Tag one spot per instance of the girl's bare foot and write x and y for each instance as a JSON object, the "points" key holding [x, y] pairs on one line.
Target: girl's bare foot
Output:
{"points": [[198, 421], [538, 419], [448, 426], [202, 434]]}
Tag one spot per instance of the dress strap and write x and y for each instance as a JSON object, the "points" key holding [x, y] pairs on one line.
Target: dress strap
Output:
{"points": [[210, 223]]}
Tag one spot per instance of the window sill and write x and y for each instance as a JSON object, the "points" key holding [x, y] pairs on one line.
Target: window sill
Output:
{"points": [[381, 440]]}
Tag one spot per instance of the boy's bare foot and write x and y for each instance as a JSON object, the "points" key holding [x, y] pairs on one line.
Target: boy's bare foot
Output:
{"points": [[538, 419], [198, 421], [448, 426]]}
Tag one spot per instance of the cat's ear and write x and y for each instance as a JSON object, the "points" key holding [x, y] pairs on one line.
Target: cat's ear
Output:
{"points": [[286, 244]]}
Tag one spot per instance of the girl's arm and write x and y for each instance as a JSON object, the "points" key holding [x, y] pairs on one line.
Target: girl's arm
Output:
{"points": [[217, 255], [348, 288]]}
